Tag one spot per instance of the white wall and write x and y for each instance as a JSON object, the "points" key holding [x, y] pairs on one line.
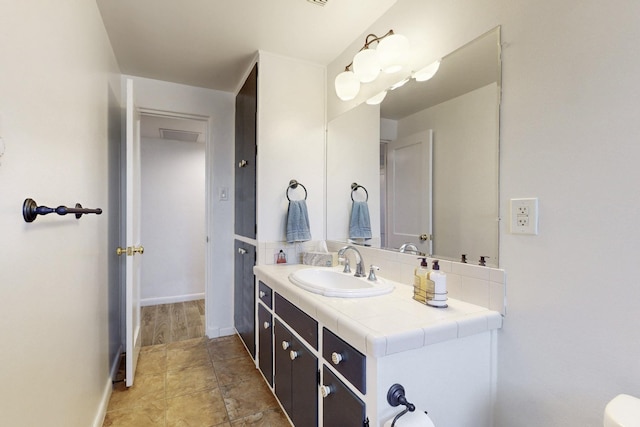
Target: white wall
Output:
{"points": [[173, 222], [291, 140], [569, 136], [353, 155], [54, 91], [219, 108]]}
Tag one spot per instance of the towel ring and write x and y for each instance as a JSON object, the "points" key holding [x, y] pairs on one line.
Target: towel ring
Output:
{"points": [[294, 184], [354, 187]]}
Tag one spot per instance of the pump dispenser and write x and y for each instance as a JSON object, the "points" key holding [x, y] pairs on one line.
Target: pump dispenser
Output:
{"points": [[420, 281], [439, 296]]}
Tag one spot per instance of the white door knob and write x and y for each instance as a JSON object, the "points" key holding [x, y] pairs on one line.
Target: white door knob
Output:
{"points": [[262, 294], [293, 355], [336, 358], [286, 345], [266, 325], [325, 390]]}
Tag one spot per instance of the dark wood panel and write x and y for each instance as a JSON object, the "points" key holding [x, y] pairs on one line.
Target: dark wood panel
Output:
{"points": [[353, 363], [265, 343], [341, 407], [302, 323]]}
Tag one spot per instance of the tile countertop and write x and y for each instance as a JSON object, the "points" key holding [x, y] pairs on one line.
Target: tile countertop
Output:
{"points": [[382, 325]]}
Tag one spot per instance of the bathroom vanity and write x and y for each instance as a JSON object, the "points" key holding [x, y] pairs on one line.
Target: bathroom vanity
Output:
{"points": [[331, 361]]}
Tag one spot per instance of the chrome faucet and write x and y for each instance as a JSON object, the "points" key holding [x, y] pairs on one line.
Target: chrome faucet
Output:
{"points": [[359, 261], [409, 247]]}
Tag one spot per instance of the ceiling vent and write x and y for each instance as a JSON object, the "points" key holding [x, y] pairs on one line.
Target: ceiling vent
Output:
{"points": [[179, 135], [318, 2]]}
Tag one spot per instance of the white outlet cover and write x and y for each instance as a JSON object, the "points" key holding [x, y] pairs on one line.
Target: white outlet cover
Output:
{"points": [[524, 224]]}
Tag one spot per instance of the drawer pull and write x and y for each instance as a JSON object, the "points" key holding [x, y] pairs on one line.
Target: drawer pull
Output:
{"points": [[326, 390], [336, 358], [266, 325], [286, 345], [293, 355], [262, 294]]}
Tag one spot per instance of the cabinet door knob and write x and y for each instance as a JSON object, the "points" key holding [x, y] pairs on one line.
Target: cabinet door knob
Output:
{"points": [[293, 355], [242, 163], [262, 294], [286, 345], [326, 390], [242, 251], [336, 358], [266, 325]]}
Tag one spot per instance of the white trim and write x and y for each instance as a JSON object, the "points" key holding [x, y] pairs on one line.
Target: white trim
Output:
{"points": [[216, 332], [98, 421], [171, 299]]}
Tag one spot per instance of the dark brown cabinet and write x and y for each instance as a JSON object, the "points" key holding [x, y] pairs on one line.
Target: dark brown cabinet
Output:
{"points": [[265, 343], [244, 293], [340, 406], [295, 377], [245, 156]]}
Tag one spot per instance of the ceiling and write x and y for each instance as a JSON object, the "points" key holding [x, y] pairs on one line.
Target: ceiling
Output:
{"points": [[211, 43]]}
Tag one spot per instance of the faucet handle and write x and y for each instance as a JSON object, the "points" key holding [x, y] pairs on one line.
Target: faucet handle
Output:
{"points": [[372, 273], [347, 267]]}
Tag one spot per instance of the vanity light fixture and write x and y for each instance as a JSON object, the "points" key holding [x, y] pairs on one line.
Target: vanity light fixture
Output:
{"points": [[377, 99], [391, 55], [427, 72]]}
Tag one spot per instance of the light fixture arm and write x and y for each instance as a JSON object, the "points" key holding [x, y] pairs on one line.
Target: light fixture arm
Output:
{"points": [[367, 42]]}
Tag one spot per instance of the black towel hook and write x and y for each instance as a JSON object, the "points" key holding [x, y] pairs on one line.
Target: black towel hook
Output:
{"points": [[31, 210], [355, 187], [294, 184]]}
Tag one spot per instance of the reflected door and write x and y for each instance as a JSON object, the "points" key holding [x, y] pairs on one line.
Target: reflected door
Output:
{"points": [[409, 191]]}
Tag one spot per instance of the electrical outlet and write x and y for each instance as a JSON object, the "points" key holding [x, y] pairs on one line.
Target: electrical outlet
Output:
{"points": [[524, 216]]}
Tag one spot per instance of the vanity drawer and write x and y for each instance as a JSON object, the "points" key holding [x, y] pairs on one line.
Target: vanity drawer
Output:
{"points": [[298, 320], [265, 294], [345, 359]]}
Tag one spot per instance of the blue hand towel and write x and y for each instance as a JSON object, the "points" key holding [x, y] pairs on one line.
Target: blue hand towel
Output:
{"points": [[360, 224], [298, 222]]}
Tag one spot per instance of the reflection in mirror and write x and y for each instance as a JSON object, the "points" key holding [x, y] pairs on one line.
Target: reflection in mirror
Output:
{"points": [[436, 168]]}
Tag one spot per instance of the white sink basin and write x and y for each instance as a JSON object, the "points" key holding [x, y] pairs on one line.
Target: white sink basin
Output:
{"points": [[334, 283]]}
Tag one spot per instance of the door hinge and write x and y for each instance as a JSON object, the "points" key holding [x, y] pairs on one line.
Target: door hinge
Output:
{"points": [[365, 423]]}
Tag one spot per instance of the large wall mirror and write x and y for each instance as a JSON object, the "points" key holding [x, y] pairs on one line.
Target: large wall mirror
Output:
{"points": [[428, 159]]}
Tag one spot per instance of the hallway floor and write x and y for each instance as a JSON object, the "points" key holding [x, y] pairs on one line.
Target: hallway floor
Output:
{"points": [[197, 382]]}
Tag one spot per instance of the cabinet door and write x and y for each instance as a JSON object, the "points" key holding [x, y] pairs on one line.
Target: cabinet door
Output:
{"points": [[304, 374], [245, 157], [265, 343], [282, 375], [244, 293], [341, 407]]}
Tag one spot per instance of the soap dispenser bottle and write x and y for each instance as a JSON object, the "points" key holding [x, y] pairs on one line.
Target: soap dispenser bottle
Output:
{"points": [[439, 279], [420, 278]]}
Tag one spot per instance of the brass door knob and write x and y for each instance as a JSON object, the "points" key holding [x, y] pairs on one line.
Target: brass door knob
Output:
{"points": [[120, 251], [139, 250]]}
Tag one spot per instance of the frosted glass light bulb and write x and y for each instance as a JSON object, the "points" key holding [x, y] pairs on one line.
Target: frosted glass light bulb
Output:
{"points": [[366, 66], [377, 99], [393, 53], [347, 85], [427, 72]]}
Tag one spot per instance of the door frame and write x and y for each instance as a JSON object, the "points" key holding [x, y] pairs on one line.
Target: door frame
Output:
{"points": [[208, 164]]}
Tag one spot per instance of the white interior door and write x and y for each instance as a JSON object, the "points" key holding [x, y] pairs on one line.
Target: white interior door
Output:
{"points": [[409, 191], [132, 226]]}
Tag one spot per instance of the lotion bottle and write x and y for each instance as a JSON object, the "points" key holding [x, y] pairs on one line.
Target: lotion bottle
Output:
{"points": [[440, 286]]}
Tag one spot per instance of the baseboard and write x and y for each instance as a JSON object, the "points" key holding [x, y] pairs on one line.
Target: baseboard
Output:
{"points": [[171, 300], [98, 421], [216, 332]]}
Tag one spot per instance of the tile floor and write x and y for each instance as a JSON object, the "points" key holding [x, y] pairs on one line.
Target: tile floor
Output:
{"points": [[198, 382]]}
